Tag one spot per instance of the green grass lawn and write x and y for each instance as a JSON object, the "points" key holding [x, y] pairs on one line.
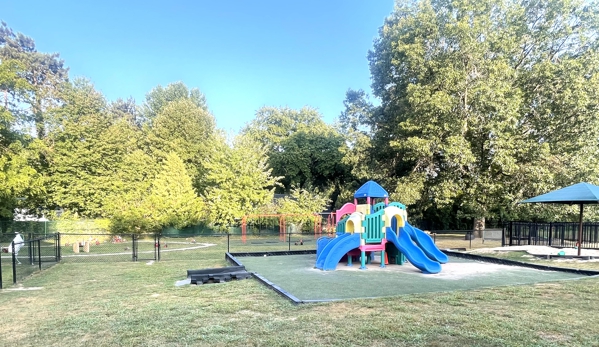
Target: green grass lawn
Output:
{"points": [[135, 304]]}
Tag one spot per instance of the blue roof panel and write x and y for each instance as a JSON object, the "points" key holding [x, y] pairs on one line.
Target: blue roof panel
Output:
{"points": [[371, 189], [580, 193]]}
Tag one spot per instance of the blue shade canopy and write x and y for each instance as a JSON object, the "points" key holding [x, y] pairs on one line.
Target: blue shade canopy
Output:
{"points": [[580, 193], [371, 189]]}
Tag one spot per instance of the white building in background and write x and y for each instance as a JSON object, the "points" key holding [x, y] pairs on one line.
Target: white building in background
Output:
{"points": [[23, 215]]}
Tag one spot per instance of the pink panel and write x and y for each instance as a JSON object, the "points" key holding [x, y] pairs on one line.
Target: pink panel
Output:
{"points": [[348, 208]]}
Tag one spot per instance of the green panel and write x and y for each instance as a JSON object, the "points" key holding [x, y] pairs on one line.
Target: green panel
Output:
{"points": [[341, 225], [379, 206], [373, 224]]}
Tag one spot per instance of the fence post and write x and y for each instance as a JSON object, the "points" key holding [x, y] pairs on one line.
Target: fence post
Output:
{"points": [[134, 247], [550, 233], [156, 247], [31, 249], [39, 253], [14, 263], [0, 273], [289, 241], [511, 232], [470, 237], [59, 249]]}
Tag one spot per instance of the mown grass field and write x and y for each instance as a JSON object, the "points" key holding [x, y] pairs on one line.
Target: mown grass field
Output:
{"points": [[136, 304]]}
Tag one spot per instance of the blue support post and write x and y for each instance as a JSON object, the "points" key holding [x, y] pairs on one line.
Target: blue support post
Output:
{"points": [[363, 260]]}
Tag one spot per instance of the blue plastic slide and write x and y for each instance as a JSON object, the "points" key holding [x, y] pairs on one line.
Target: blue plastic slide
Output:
{"points": [[425, 242], [340, 249], [322, 255], [415, 255], [321, 243]]}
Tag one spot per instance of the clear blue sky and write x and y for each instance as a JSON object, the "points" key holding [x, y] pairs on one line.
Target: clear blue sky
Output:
{"points": [[241, 54]]}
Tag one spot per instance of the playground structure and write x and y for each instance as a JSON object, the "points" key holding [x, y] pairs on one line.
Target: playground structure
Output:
{"points": [[368, 227]]}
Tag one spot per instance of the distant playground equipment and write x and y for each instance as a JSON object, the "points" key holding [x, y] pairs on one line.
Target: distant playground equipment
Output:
{"points": [[362, 229], [281, 220]]}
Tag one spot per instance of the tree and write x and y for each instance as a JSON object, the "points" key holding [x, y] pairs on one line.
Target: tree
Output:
{"points": [[181, 126], [273, 125], [302, 148], [85, 148], [20, 183], [18, 180], [126, 110], [239, 181], [485, 102], [159, 97], [43, 72], [169, 200], [11, 81], [355, 125], [303, 202], [312, 159], [126, 205], [172, 200]]}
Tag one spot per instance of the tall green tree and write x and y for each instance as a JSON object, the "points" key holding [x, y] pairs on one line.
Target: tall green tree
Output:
{"points": [[301, 147], [273, 125], [43, 72], [485, 102], [126, 110], [239, 181], [173, 200], [357, 130], [11, 82], [20, 183], [151, 204], [183, 127], [159, 97], [85, 147]]}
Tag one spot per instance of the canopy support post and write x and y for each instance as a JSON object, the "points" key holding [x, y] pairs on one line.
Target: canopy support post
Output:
{"points": [[580, 231]]}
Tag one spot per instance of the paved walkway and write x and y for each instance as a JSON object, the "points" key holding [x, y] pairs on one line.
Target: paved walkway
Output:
{"points": [[539, 250]]}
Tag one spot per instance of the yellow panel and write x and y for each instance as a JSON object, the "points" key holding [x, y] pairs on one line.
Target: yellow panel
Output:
{"points": [[349, 227], [365, 209], [354, 223], [393, 211]]}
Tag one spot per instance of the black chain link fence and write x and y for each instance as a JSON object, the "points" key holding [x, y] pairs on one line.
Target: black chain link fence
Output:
{"points": [[22, 257], [556, 234], [38, 252]]}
